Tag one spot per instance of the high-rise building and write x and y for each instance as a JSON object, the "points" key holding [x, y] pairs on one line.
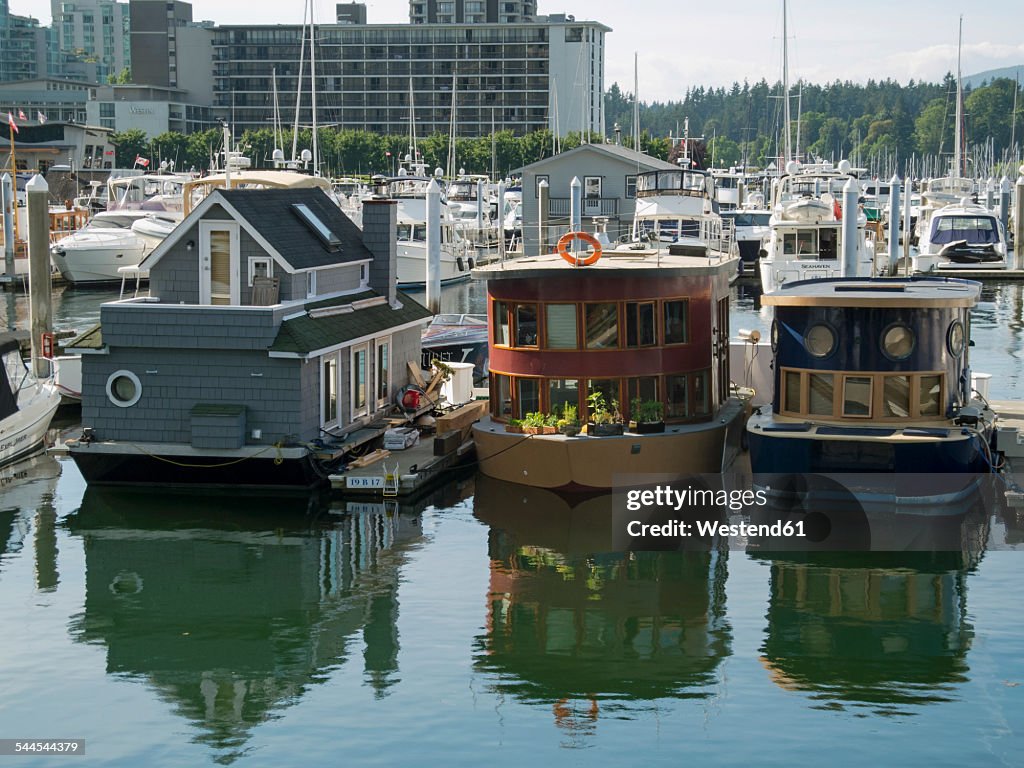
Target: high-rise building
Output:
{"points": [[155, 25], [472, 11], [495, 76], [23, 47], [93, 32]]}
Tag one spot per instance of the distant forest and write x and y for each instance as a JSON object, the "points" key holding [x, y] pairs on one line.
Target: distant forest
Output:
{"points": [[882, 125]]}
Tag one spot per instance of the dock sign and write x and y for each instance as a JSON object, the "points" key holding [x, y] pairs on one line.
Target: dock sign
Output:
{"points": [[364, 482]]}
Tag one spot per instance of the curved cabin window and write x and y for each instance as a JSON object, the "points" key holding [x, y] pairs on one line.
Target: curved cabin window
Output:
{"points": [[896, 396], [502, 324], [930, 396], [821, 394], [526, 325], [675, 319], [502, 396], [677, 403], [560, 325], [562, 391], [640, 330], [857, 396], [528, 397], [602, 326], [838, 395]]}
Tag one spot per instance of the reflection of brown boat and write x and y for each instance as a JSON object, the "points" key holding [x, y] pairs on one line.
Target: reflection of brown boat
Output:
{"points": [[567, 620], [883, 630], [233, 613]]}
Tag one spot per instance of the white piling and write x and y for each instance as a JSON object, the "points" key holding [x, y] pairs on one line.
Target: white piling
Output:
{"points": [[479, 209], [7, 194], [907, 234], [851, 191], [894, 224], [39, 288], [1004, 202], [1018, 221], [575, 205], [434, 247], [990, 194], [543, 198], [502, 186]]}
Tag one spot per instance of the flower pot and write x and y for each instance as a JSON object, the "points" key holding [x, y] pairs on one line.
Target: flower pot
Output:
{"points": [[533, 430], [549, 430], [649, 427], [604, 430], [569, 430], [515, 430]]}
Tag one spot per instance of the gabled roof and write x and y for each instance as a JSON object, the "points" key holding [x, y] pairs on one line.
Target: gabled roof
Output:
{"points": [[308, 333], [645, 162], [268, 216]]}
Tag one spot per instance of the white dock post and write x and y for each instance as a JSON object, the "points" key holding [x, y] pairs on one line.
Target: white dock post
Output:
{"points": [[990, 193], [543, 204], [479, 209], [501, 207], [1004, 203], [7, 193], [575, 205], [907, 234], [39, 288], [851, 191], [1018, 221], [894, 224], [434, 247]]}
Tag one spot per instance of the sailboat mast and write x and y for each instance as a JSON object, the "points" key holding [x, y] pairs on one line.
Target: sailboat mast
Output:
{"points": [[636, 103], [312, 82], [298, 87], [958, 157], [785, 86]]}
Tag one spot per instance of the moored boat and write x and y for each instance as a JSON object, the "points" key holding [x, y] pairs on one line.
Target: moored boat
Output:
{"points": [[633, 336], [27, 404], [872, 376]]}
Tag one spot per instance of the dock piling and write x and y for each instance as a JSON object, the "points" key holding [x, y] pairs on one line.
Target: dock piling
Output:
{"points": [[39, 287], [851, 214], [894, 224], [434, 247]]}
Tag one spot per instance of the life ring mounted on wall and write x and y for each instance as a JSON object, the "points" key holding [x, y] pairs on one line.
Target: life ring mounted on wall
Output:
{"points": [[563, 248]]}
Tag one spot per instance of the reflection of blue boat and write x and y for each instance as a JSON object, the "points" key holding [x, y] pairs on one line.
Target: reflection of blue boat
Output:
{"points": [[457, 339], [872, 376]]}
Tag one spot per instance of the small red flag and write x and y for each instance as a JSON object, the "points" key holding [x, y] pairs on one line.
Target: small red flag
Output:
{"points": [[10, 122], [143, 161]]}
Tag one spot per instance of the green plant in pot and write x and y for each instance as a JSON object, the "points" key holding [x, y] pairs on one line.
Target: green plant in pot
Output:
{"points": [[649, 415], [514, 426], [569, 423], [604, 421], [533, 423]]}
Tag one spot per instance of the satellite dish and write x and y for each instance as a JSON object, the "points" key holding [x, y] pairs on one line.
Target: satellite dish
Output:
{"points": [[844, 166], [278, 156], [306, 155], [438, 173], [792, 167]]}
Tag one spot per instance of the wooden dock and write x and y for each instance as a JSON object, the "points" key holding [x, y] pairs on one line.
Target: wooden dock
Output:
{"points": [[409, 472]]}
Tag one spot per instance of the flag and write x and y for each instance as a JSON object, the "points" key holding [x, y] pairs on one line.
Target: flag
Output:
{"points": [[10, 122], [40, 117], [143, 161], [21, 115]]}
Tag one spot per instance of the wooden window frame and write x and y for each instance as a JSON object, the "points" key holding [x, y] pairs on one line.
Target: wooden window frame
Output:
{"points": [[618, 326], [544, 337], [662, 331], [877, 404]]}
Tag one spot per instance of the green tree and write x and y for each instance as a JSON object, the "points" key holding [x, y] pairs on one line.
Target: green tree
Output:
{"points": [[129, 145]]}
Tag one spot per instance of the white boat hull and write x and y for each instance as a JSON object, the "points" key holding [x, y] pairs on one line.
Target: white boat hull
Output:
{"points": [[22, 432], [412, 266], [96, 257]]}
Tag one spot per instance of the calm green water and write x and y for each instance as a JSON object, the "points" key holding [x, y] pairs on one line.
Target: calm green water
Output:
{"points": [[491, 626], [494, 626]]}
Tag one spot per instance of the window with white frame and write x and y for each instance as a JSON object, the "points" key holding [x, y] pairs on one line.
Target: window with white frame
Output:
{"points": [[360, 380], [310, 284], [383, 371], [329, 389], [260, 266]]}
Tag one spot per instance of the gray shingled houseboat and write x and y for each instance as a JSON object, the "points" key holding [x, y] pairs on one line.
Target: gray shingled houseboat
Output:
{"points": [[273, 328]]}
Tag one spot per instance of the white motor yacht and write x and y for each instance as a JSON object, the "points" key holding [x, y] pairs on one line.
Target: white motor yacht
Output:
{"points": [[961, 235], [27, 404], [806, 227]]}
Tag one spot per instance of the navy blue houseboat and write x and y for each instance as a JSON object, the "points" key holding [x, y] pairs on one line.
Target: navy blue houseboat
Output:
{"points": [[872, 376]]}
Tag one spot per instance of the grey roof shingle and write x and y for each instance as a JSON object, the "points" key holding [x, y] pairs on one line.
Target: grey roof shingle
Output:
{"points": [[305, 334], [270, 212]]}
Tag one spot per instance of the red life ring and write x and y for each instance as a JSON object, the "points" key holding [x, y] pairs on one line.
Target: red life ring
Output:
{"points": [[568, 237]]}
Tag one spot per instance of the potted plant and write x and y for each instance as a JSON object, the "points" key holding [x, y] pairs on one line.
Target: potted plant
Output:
{"points": [[569, 424], [515, 426], [649, 416], [533, 423], [604, 421], [550, 424]]}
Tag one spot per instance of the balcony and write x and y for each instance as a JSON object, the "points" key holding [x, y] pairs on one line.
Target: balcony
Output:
{"points": [[558, 207]]}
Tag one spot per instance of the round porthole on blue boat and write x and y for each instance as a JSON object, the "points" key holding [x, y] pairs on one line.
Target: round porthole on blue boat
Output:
{"points": [[955, 338], [898, 341], [820, 340], [124, 388]]}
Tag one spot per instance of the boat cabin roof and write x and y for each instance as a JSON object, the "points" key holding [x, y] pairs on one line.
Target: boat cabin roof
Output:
{"points": [[881, 292], [644, 263]]}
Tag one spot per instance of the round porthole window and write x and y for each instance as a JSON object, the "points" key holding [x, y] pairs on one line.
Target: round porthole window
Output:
{"points": [[124, 388], [897, 342], [820, 340], [955, 338], [775, 335]]}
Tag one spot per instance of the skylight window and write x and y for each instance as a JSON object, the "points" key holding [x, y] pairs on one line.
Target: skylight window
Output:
{"points": [[317, 227]]}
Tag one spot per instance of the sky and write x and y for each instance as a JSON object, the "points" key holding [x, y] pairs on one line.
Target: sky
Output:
{"points": [[682, 45]]}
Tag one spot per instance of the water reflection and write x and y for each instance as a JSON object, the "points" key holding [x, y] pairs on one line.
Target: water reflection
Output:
{"points": [[883, 631], [27, 492], [230, 609], [577, 627]]}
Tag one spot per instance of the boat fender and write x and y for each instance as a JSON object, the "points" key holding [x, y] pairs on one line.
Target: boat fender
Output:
{"points": [[586, 237], [472, 263], [461, 264]]}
